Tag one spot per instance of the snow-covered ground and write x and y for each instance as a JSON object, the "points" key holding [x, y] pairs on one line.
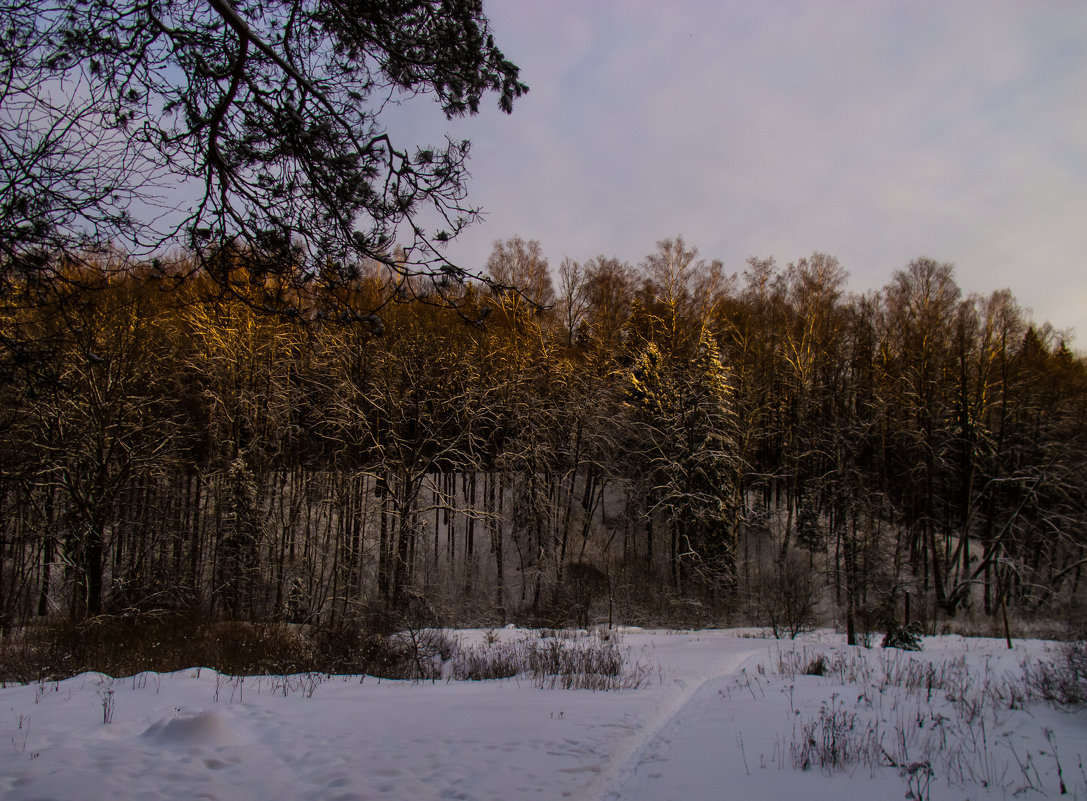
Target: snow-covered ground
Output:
{"points": [[723, 717]]}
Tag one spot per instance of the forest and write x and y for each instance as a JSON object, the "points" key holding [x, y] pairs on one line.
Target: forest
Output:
{"points": [[660, 442]]}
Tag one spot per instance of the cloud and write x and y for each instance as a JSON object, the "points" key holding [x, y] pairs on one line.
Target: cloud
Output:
{"points": [[877, 132]]}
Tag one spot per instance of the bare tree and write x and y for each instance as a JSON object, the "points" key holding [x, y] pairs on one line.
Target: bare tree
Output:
{"points": [[518, 270], [679, 289], [572, 301]]}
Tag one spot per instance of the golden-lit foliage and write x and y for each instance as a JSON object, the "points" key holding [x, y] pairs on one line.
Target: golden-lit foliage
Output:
{"points": [[267, 452]]}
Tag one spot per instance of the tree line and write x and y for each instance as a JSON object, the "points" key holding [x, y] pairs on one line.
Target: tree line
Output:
{"points": [[665, 439]]}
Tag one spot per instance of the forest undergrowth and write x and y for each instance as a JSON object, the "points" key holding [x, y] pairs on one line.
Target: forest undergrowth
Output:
{"points": [[548, 658]]}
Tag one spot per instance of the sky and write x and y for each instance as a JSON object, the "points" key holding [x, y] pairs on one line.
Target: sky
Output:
{"points": [[877, 132]]}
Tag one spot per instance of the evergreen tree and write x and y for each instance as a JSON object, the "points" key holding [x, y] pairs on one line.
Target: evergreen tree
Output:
{"points": [[685, 414], [240, 540]]}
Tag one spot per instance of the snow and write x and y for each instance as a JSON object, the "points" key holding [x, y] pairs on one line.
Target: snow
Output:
{"points": [[718, 720]]}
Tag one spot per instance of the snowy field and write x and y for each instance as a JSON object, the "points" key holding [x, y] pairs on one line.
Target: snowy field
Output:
{"points": [[720, 716]]}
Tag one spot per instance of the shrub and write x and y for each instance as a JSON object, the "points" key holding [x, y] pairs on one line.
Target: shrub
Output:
{"points": [[132, 644], [836, 739], [1062, 680], [492, 660], [584, 583], [124, 645], [905, 638], [817, 666], [347, 647], [787, 598]]}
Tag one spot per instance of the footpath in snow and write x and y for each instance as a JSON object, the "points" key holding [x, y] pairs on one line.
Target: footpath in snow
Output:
{"points": [[717, 721]]}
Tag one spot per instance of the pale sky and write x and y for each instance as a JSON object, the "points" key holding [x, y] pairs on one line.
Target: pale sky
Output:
{"points": [[875, 131]]}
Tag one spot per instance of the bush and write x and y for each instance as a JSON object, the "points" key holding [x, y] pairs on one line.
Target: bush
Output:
{"points": [[786, 598], [347, 647], [593, 662], [555, 660], [792, 663], [128, 645], [492, 660], [124, 645], [817, 666], [836, 740], [584, 582], [1063, 680], [367, 646], [905, 638]]}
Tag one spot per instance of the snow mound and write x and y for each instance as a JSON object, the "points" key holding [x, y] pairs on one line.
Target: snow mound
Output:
{"points": [[206, 728]]}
